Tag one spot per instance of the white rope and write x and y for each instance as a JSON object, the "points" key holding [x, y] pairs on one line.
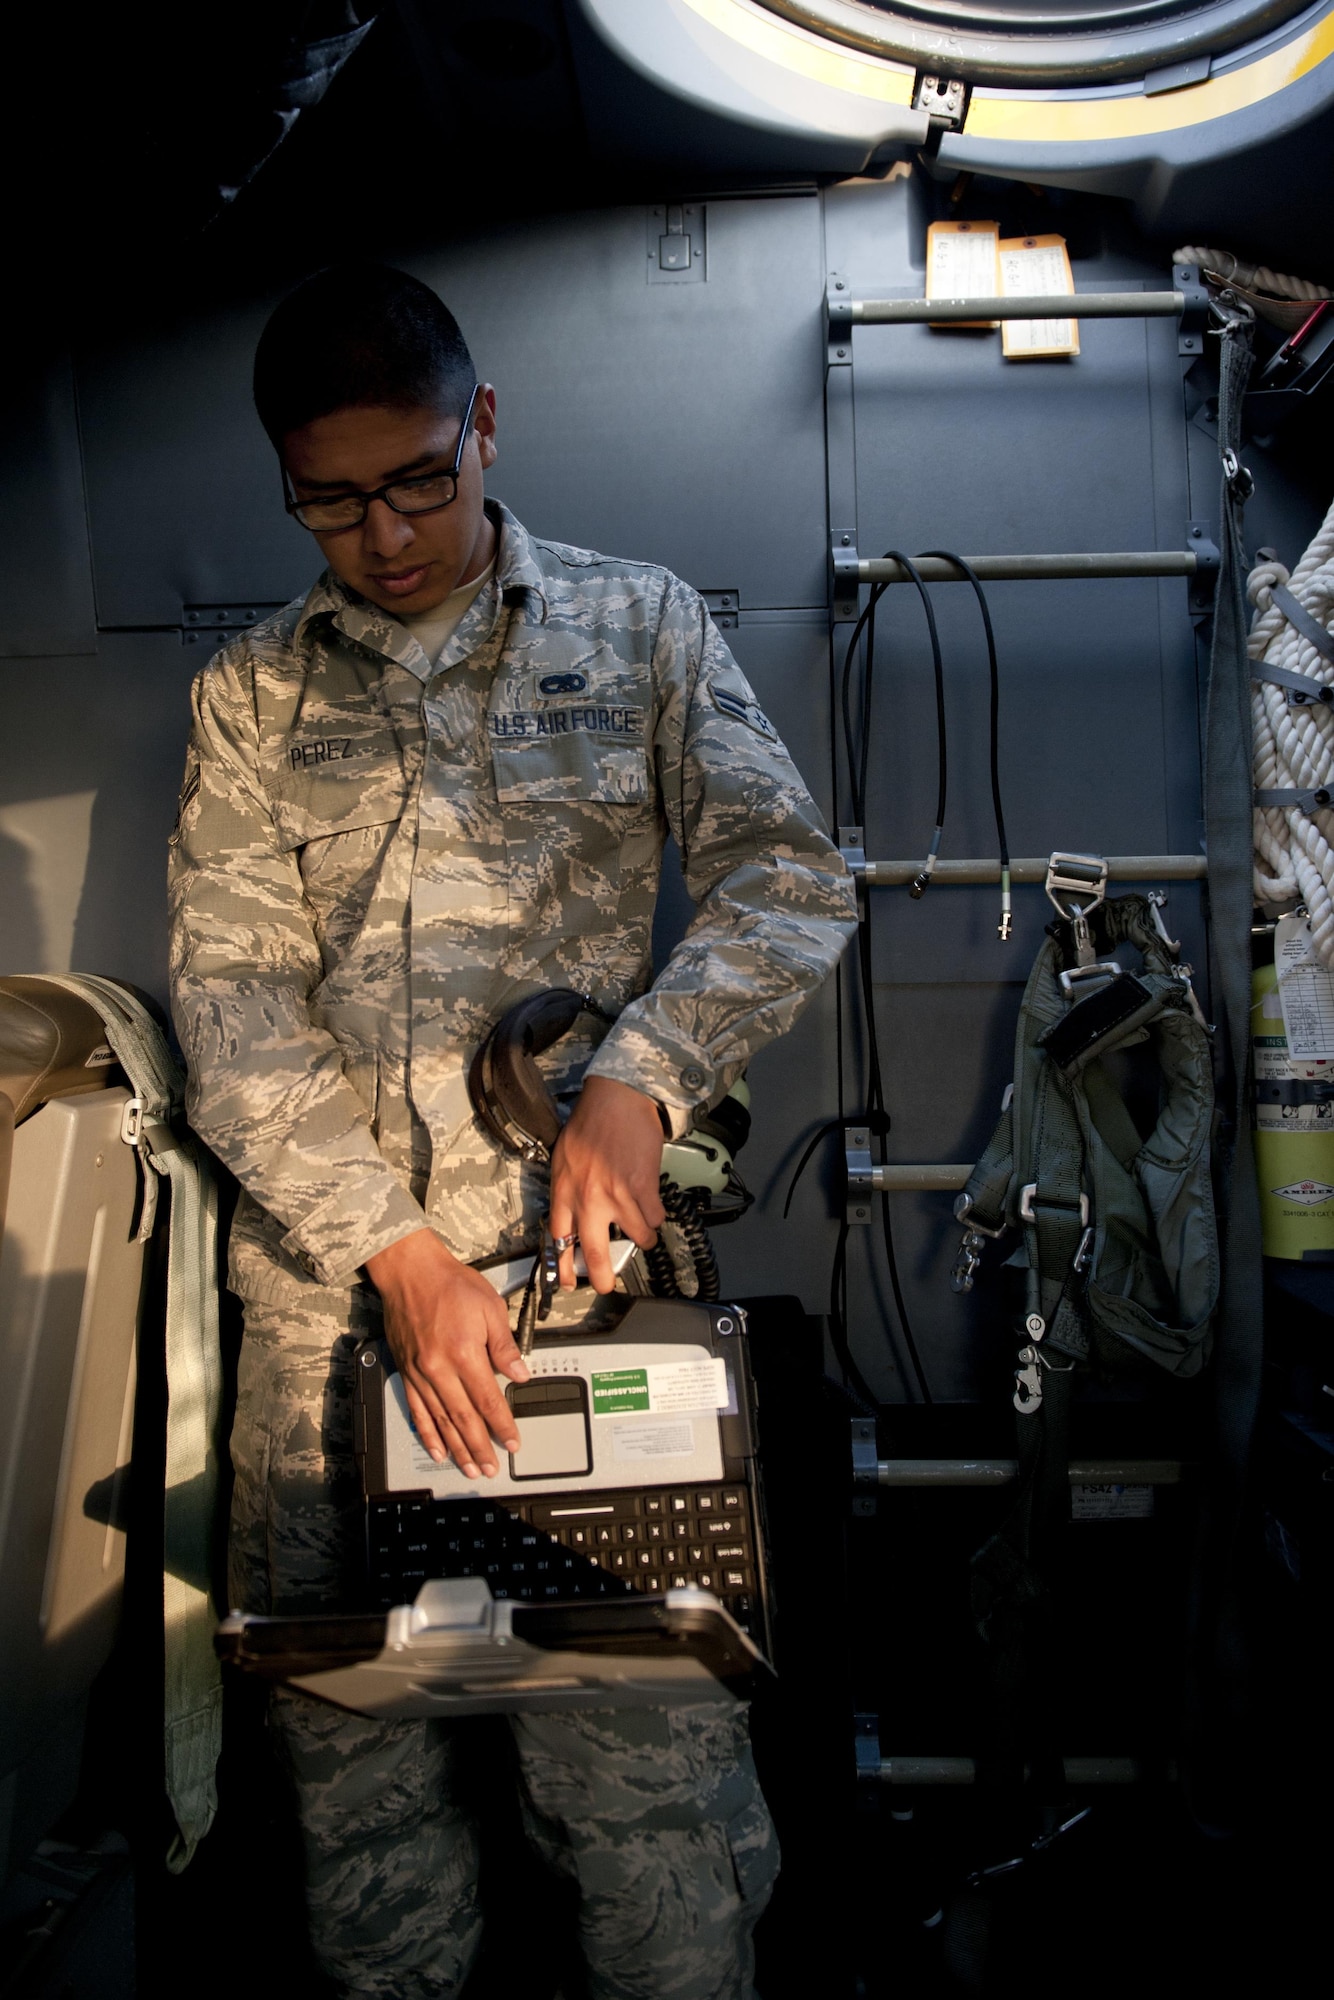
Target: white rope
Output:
{"points": [[1294, 743], [1233, 270]]}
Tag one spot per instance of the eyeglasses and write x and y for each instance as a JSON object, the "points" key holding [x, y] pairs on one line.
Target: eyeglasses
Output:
{"points": [[424, 494]]}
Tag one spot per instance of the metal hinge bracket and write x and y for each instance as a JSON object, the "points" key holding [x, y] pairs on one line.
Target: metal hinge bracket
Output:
{"points": [[861, 1174], [865, 1466], [944, 100]]}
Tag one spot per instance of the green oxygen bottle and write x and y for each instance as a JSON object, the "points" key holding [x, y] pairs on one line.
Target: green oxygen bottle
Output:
{"points": [[1294, 1135]]}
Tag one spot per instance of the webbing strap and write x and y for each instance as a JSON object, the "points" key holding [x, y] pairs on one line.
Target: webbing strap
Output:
{"points": [[1301, 621], [1298, 684], [1228, 826], [1285, 796], [193, 1690]]}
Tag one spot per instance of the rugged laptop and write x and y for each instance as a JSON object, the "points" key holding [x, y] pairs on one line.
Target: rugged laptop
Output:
{"points": [[617, 1557]]}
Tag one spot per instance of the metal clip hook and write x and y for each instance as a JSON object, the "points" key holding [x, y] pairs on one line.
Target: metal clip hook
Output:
{"points": [[1027, 1383], [967, 1261], [1156, 899]]}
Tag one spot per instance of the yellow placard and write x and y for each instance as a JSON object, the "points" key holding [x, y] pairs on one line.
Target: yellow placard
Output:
{"points": [[962, 262], [1030, 265]]}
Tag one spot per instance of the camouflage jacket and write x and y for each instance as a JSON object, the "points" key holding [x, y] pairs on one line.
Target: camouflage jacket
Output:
{"points": [[374, 858]]}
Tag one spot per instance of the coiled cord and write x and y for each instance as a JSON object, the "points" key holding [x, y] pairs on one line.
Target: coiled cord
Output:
{"points": [[682, 1206]]}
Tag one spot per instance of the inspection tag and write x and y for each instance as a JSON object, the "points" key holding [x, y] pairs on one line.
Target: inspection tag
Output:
{"points": [[1029, 265], [961, 263], [1305, 991]]}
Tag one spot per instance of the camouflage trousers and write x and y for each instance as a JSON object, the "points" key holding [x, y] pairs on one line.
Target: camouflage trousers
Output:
{"points": [[653, 1817]]}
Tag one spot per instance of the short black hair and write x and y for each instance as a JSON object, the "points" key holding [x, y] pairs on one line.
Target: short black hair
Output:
{"points": [[359, 334]]}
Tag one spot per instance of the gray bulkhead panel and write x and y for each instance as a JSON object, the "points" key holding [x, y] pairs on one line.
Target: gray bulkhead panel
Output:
{"points": [[681, 424], [684, 423], [957, 448]]}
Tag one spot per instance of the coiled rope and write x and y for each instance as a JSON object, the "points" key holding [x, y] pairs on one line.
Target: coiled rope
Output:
{"points": [[1229, 269], [1294, 741]]}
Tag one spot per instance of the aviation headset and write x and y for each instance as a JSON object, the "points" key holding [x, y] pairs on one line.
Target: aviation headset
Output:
{"points": [[700, 1185]]}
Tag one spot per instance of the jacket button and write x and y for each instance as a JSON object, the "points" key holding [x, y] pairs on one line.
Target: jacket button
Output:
{"points": [[692, 1076]]}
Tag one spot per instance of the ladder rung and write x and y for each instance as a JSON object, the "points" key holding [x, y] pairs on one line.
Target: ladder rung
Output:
{"points": [[1031, 305], [917, 1472], [1120, 868], [1043, 568]]}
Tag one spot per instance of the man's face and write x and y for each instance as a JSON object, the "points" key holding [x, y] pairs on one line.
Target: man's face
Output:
{"points": [[402, 562]]}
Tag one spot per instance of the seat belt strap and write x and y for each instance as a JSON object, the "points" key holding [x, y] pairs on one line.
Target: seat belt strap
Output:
{"points": [[192, 1719], [1235, 1378]]}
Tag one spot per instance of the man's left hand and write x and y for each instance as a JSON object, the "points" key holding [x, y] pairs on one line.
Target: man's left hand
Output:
{"points": [[605, 1169]]}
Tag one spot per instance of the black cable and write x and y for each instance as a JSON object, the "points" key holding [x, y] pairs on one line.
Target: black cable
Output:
{"points": [[683, 1214], [876, 1114], [1005, 925]]}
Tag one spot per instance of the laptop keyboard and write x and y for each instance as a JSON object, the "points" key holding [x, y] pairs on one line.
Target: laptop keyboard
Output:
{"points": [[570, 1546]]}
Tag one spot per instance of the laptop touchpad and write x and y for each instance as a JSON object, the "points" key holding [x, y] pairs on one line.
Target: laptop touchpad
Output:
{"points": [[552, 1416]]}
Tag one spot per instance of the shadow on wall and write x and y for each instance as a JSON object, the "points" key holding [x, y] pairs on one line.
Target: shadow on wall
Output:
{"points": [[95, 749]]}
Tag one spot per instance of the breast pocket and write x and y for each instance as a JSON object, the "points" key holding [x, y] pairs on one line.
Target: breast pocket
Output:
{"points": [[580, 816], [594, 752], [337, 823]]}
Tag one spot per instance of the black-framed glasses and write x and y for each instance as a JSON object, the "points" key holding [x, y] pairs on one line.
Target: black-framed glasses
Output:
{"points": [[424, 493]]}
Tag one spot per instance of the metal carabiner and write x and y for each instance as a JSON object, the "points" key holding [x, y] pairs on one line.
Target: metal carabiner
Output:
{"points": [[1028, 1383]]}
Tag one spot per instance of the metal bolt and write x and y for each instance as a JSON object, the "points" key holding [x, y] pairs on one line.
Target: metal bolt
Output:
{"points": [[838, 284], [842, 353], [847, 541], [1035, 1325], [860, 1214], [1197, 532], [99, 1160], [368, 1359], [727, 603]]}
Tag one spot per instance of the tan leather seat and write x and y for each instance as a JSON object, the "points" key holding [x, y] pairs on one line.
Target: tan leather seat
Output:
{"points": [[52, 1044], [71, 1278]]}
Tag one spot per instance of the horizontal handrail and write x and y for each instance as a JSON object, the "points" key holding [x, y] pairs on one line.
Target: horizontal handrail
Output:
{"points": [[915, 1472], [963, 1771], [1031, 305], [919, 1179], [1035, 569], [1120, 868]]}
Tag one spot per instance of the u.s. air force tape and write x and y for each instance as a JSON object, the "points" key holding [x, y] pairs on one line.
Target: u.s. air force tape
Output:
{"points": [[594, 719], [741, 710]]}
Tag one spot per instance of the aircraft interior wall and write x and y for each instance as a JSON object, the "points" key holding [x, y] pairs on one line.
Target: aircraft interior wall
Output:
{"points": [[707, 417], [685, 423]]}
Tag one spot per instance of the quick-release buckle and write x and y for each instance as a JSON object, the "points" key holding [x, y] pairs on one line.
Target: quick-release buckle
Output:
{"points": [[132, 1122], [968, 1258], [1076, 884], [1028, 1196], [1102, 972]]}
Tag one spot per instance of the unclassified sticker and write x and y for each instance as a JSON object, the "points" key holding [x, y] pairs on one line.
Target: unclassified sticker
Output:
{"points": [[663, 1387], [617, 1389], [632, 1442]]}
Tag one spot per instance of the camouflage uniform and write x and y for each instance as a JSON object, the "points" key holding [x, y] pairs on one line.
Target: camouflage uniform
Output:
{"points": [[374, 858]]}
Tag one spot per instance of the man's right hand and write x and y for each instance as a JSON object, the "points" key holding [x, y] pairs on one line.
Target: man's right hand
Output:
{"points": [[449, 1332]]}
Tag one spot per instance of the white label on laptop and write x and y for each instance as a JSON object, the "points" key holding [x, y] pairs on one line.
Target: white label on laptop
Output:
{"points": [[625, 1380], [632, 1442], [663, 1387]]}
